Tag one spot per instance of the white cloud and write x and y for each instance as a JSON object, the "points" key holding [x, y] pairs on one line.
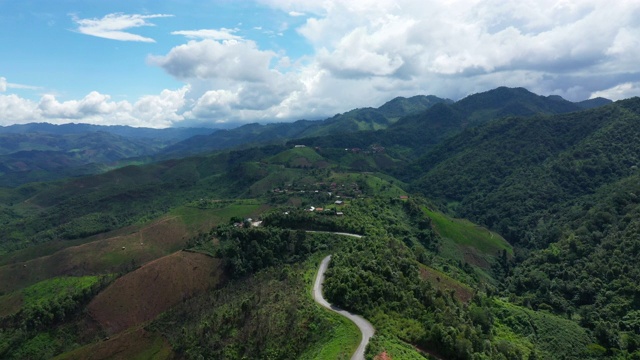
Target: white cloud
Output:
{"points": [[156, 111], [209, 59], [213, 34], [5, 85], [91, 105], [214, 104], [618, 92], [363, 53], [568, 47], [112, 26], [367, 52], [162, 110], [16, 110]]}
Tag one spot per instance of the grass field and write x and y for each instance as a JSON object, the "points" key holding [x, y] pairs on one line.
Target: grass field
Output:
{"points": [[555, 336], [45, 292], [297, 157], [466, 233], [396, 349], [199, 219], [339, 343]]}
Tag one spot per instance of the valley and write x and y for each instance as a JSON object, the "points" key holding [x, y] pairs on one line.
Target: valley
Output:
{"points": [[500, 226]]}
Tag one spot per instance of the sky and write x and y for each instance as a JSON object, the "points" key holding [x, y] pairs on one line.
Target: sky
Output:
{"points": [[177, 63]]}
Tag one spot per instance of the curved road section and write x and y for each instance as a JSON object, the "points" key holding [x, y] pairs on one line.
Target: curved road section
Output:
{"points": [[365, 327]]}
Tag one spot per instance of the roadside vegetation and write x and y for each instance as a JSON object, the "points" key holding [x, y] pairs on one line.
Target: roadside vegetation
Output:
{"points": [[483, 238]]}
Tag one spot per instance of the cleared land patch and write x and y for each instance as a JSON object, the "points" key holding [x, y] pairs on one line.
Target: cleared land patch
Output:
{"points": [[466, 233], [444, 282], [141, 295], [134, 344], [98, 257]]}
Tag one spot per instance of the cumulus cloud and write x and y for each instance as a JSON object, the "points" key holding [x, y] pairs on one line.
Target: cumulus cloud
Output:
{"points": [[112, 26], [369, 51], [16, 110], [92, 104], [208, 59], [213, 34], [363, 53], [162, 110], [618, 92], [570, 48], [155, 111]]}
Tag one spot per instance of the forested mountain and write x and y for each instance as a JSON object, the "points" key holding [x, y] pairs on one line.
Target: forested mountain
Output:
{"points": [[545, 269], [520, 166], [168, 134], [247, 135], [45, 152], [562, 189], [417, 133], [28, 157], [349, 122]]}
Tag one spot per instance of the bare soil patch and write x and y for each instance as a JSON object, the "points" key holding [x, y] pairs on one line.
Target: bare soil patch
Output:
{"points": [[143, 294], [134, 344], [474, 257], [98, 257], [444, 282]]}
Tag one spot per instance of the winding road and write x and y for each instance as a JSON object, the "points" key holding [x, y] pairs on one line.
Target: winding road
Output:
{"points": [[366, 328]]}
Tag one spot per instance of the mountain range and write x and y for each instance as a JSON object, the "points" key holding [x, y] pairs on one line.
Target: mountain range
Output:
{"points": [[500, 226]]}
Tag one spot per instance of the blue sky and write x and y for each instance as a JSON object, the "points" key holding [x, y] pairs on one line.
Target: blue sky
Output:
{"points": [[181, 62], [45, 48]]}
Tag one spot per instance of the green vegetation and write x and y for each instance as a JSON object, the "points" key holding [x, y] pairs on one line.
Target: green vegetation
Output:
{"points": [[339, 343], [39, 329], [268, 315], [561, 283], [547, 335], [56, 289], [297, 157], [562, 190], [464, 232]]}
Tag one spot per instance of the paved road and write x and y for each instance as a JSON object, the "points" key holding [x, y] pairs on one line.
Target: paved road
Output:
{"points": [[365, 327], [333, 232]]}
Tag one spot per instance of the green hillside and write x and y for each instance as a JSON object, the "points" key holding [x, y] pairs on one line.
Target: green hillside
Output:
{"points": [[350, 122], [415, 134], [502, 226], [297, 157], [562, 190]]}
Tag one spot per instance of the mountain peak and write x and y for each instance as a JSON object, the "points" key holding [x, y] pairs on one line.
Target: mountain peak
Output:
{"points": [[401, 106]]}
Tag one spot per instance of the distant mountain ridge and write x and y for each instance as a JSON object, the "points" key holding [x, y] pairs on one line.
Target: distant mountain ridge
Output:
{"points": [[408, 126], [423, 130], [174, 134], [561, 157], [44, 156], [44, 152], [350, 122], [479, 108]]}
